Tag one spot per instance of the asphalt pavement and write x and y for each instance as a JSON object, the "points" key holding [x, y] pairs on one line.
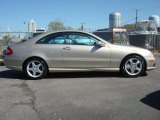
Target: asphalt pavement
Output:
{"points": [[80, 96]]}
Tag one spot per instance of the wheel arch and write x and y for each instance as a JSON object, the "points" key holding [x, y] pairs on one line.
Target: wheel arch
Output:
{"points": [[145, 63], [34, 57]]}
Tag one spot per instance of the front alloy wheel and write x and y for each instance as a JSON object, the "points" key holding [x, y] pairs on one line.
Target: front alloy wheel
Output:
{"points": [[35, 69], [133, 66]]}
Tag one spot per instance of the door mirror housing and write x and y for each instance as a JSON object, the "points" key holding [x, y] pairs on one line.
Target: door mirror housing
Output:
{"points": [[100, 44]]}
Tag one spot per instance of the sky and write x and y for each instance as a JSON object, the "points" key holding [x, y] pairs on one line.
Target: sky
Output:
{"points": [[15, 14]]}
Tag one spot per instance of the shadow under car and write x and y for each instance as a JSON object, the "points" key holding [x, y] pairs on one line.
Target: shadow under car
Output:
{"points": [[12, 74]]}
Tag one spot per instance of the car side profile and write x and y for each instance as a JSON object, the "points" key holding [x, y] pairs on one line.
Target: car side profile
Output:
{"points": [[76, 51]]}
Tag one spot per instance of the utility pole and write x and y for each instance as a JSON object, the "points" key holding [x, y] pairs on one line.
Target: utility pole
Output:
{"points": [[82, 26], [24, 23], [136, 17]]}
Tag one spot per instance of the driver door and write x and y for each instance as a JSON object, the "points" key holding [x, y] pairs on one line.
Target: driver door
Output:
{"points": [[81, 51]]}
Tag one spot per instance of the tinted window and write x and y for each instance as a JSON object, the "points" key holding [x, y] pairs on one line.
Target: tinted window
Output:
{"points": [[52, 39], [79, 39]]}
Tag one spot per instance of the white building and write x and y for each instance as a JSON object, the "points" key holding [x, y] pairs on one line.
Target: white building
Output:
{"points": [[32, 26]]}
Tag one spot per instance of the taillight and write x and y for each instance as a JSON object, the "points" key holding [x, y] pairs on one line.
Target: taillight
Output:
{"points": [[9, 51]]}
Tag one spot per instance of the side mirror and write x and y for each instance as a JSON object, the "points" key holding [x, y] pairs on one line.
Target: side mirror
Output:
{"points": [[100, 44]]}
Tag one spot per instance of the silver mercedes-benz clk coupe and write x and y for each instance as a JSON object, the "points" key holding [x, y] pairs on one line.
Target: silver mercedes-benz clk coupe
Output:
{"points": [[76, 51]]}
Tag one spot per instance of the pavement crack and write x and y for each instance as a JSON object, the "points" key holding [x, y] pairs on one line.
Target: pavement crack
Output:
{"points": [[28, 92]]}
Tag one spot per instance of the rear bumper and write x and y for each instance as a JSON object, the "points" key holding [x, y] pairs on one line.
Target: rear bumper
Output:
{"points": [[13, 63]]}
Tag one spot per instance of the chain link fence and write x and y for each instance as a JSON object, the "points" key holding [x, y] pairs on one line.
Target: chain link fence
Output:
{"points": [[148, 41], [8, 38]]}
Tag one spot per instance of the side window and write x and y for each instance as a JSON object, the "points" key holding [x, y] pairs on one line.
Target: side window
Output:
{"points": [[80, 39], [56, 40], [52, 39]]}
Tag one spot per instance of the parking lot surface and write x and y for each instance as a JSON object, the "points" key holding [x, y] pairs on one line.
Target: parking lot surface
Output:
{"points": [[80, 96]]}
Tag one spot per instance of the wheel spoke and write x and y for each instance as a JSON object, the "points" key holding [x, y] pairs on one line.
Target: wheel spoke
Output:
{"points": [[34, 73], [138, 62], [138, 69], [39, 65], [128, 66], [33, 63], [132, 71], [131, 61], [39, 71], [30, 69]]}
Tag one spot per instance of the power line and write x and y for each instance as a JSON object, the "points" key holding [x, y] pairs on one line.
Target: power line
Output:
{"points": [[128, 21]]}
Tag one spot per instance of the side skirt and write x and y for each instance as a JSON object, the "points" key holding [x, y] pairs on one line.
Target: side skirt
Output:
{"points": [[82, 69]]}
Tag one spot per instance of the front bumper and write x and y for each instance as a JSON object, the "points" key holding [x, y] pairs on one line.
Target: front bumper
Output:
{"points": [[151, 64]]}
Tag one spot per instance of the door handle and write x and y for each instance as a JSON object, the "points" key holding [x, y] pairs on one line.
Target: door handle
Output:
{"points": [[66, 48]]}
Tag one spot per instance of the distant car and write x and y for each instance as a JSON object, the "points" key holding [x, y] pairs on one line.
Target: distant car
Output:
{"points": [[76, 51]]}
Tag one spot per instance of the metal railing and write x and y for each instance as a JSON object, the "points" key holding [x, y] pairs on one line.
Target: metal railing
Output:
{"points": [[153, 42]]}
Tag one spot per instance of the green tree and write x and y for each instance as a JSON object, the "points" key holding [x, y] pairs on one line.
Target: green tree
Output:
{"points": [[57, 25], [6, 40]]}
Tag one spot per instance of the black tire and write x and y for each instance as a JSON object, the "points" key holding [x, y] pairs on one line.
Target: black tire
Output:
{"points": [[35, 68], [133, 66]]}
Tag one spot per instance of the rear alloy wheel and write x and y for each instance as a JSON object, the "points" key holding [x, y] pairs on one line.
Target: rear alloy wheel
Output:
{"points": [[133, 66], [35, 68]]}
